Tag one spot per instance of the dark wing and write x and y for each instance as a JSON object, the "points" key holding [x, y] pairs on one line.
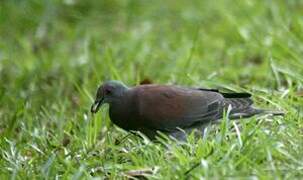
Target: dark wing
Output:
{"points": [[168, 107], [228, 95]]}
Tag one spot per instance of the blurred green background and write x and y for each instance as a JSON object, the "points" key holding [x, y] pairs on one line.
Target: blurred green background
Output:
{"points": [[54, 54]]}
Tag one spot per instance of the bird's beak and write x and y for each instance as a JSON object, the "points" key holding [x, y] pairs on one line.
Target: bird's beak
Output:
{"points": [[96, 106]]}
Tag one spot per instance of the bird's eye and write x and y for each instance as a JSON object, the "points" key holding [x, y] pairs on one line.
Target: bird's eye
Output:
{"points": [[108, 91]]}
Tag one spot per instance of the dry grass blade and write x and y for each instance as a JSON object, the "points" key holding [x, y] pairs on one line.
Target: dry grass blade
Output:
{"points": [[141, 173]]}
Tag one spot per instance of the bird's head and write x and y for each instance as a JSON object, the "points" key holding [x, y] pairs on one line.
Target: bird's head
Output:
{"points": [[108, 92]]}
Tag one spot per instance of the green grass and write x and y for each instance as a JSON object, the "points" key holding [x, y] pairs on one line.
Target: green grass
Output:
{"points": [[54, 54]]}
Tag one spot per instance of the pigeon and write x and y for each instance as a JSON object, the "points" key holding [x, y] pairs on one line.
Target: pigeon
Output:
{"points": [[169, 109]]}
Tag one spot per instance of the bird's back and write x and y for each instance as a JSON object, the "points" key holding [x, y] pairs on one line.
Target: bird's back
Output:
{"points": [[167, 107]]}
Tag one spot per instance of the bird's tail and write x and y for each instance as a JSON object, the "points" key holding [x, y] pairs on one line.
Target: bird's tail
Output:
{"points": [[271, 112], [241, 107]]}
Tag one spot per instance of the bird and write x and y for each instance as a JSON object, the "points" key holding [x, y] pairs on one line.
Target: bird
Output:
{"points": [[170, 109]]}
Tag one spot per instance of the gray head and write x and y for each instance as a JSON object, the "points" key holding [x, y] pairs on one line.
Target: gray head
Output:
{"points": [[108, 92]]}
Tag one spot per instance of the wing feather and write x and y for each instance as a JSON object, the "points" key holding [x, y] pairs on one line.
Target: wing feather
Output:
{"points": [[169, 107]]}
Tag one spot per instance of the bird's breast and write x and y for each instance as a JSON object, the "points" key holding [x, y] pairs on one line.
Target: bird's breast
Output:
{"points": [[122, 114]]}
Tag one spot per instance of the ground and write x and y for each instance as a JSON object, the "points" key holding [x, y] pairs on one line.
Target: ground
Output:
{"points": [[54, 54]]}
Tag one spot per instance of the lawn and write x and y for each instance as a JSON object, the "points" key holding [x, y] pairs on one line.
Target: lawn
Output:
{"points": [[54, 54]]}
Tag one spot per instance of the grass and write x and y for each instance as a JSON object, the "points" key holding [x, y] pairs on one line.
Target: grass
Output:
{"points": [[54, 54]]}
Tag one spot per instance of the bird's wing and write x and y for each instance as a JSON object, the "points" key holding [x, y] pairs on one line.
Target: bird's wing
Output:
{"points": [[228, 94], [168, 107]]}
